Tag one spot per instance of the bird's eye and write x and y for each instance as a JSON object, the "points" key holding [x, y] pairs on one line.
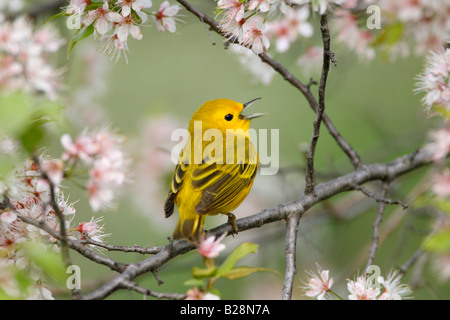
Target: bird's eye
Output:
{"points": [[229, 117]]}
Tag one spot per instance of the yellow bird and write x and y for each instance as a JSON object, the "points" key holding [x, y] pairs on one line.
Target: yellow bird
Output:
{"points": [[216, 168]]}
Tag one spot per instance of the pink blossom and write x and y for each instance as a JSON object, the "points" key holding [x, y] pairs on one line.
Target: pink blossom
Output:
{"points": [[196, 294], [165, 17], [24, 58], [439, 146], [136, 5], [100, 19], [211, 247], [124, 26], [441, 184], [289, 28], [392, 288], [253, 36], [8, 217], [54, 170], [84, 148], [261, 5], [232, 9], [434, 81], [318, 284], [350, 34], [93, 229], [361, 289], [311, 61]]}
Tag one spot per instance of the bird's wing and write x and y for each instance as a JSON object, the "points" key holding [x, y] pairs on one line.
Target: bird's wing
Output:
{"points": [[177, 182], [221, 183]]}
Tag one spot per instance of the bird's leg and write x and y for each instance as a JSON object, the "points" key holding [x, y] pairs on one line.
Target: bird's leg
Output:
{"points": [[232, 221]]}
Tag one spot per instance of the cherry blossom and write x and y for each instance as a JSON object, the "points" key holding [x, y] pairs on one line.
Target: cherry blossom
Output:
{"points": [[93, 229], [318, 284], [289, 28], [124, 26], [261, 5], [439, 145], [392, 288], [165, 17], [196, 294], [232, 9], [362, 289], [253, 36], [100, 19], [211, 247], [106, 162], [434, 81], [441, 184], [24, 58]]}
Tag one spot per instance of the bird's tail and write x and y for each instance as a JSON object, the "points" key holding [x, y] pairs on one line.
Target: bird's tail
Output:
{"points": [[189, 226]]}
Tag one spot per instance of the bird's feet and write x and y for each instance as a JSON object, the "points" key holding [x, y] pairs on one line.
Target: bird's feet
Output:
{"points": [[232, 221]]}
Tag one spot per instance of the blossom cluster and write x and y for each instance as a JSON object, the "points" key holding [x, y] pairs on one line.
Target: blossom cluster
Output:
{"points": [[29, 196], [435, 80], [101, 154], [361, 288], [112, 22], [24, 57]]}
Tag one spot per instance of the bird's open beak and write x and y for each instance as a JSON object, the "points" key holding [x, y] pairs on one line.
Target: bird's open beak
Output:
{"points": [[250, 116]]}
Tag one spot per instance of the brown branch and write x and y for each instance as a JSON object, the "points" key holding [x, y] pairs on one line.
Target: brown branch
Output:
{"points": [[378, 218], [76, 245], [379, 199], [109, 247], [290, 254], [323, 191], [309, 177], [129, 285], [53, 203], [294, 219]]}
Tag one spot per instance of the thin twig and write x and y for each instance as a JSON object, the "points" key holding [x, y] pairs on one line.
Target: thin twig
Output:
{"points": [[126, 284], [74, 244], [378, 218], [379, 199], [309, 177], [54, 205], [109, 247]]}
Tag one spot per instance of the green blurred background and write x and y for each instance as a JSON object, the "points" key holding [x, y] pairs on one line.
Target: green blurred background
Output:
{"points": [[371, 103]]}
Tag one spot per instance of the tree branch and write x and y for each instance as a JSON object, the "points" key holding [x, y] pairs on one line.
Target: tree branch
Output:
{"points": [[378, 218], [290, 254], [309, 177], [366, 173]]}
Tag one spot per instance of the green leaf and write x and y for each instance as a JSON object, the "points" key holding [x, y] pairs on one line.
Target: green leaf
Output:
{"points": [[32, 135], [46, 259], [14, 112], [200, 273], [241, 251], [241, 272], [442, 110], [440, 242], [55, 16], [79, 35], [194, 283], [390, 35]]}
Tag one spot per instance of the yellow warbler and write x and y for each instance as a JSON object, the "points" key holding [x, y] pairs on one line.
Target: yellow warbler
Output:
{"points": [[216, 168]]}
